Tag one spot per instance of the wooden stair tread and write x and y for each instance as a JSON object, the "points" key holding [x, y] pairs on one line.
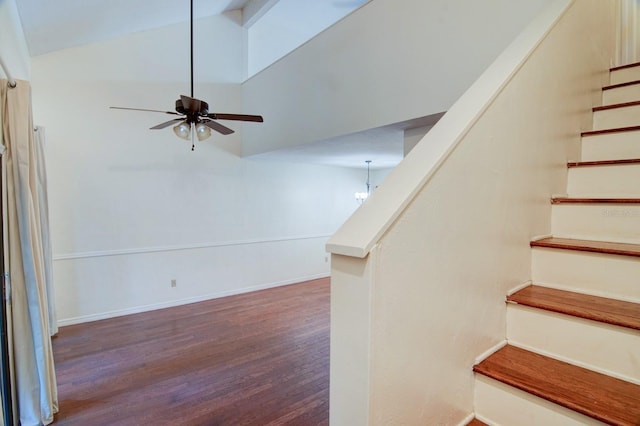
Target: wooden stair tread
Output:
{"points": [[596, 395], [476, 422], [615, 106], [623, 249], [621, 67], [616, 86], [603, 162], [613, 130], [569, 200], [601, 309]]}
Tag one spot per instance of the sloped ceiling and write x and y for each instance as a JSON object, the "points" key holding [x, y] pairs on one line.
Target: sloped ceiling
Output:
{"points": [[55, 25], [50, 26]]}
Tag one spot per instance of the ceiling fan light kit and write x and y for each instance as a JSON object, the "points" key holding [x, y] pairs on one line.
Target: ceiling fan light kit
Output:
{"points": [[202, 131], [195, 118], [183, 130]]}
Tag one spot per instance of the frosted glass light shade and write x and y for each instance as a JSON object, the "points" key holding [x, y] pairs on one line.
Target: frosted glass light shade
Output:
{"points": [[202, 131], [183, 130]]}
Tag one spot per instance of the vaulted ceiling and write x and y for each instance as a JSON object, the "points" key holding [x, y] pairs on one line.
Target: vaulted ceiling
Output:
{"points": [[55, 25]]}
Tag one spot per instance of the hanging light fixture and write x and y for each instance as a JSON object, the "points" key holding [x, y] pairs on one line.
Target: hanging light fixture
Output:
{"points": [[188, 131], [203, 131], [361, 196], [183, 130], [193, 116]]}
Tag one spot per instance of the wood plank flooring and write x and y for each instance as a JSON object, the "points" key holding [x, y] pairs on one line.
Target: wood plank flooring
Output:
{"points": [[567, 200], [259, 358], [619, 85], [622, 249], [615, 106], [596, 395], [621, 67], [609, 311], [625, 161], [607, 131]]}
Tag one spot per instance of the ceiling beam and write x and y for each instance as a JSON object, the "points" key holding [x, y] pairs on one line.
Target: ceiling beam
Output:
{"points": [[254, 10]]}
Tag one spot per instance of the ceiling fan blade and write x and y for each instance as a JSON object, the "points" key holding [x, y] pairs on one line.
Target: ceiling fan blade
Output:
{"points": [[217, 127], [148, 110], [167, 123], [237, 117]]}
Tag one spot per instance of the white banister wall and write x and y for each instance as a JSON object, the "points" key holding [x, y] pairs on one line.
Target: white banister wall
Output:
{"points": [[428, 259], [351, 292]]}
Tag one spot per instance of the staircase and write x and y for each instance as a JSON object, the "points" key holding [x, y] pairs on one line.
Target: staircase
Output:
{"points": [[573, 336]]}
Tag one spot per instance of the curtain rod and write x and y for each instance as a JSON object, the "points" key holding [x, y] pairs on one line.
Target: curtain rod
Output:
{"points": [[12, 82]]}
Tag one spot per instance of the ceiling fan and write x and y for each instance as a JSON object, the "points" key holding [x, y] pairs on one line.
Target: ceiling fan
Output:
{"points": [[194, 119]]}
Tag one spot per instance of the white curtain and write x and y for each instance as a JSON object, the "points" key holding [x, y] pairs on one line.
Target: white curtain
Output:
{"points": [[29, 259], [43, 202]]}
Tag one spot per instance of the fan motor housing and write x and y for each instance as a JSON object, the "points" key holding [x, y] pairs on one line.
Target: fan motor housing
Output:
{"points": [[204, 108]]}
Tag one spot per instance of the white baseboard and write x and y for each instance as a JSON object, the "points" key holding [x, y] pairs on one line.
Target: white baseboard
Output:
{"points": [[486, 354], [185, 301], [484, 419], [518, 288], [466, 419], [589, 292]]}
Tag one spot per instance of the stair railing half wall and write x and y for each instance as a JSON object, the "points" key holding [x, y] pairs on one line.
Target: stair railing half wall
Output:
{"points": [[419, 271]]}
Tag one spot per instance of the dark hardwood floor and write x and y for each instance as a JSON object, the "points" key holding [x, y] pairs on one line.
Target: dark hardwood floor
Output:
{"points": [[259, 358], [604, 398]]}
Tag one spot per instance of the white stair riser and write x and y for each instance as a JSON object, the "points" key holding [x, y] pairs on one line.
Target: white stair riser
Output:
{"points": [[501, 404], [621, 95], [599, 274], [602, 222], [600, 347], [604, 181], [625, 75], [616, 117], [611, 146]]}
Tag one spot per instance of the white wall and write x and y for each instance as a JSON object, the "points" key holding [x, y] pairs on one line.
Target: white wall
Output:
{"points": [[156, 55], [13, 46], [131, 209], [629, 32], [289, 24], [380, 65], [413, 136], [418, 296], [378, 176]]}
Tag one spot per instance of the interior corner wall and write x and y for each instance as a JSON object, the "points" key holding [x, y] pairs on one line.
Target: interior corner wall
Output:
{"points": [[380, 65], [13, 46], [132, 208]]}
